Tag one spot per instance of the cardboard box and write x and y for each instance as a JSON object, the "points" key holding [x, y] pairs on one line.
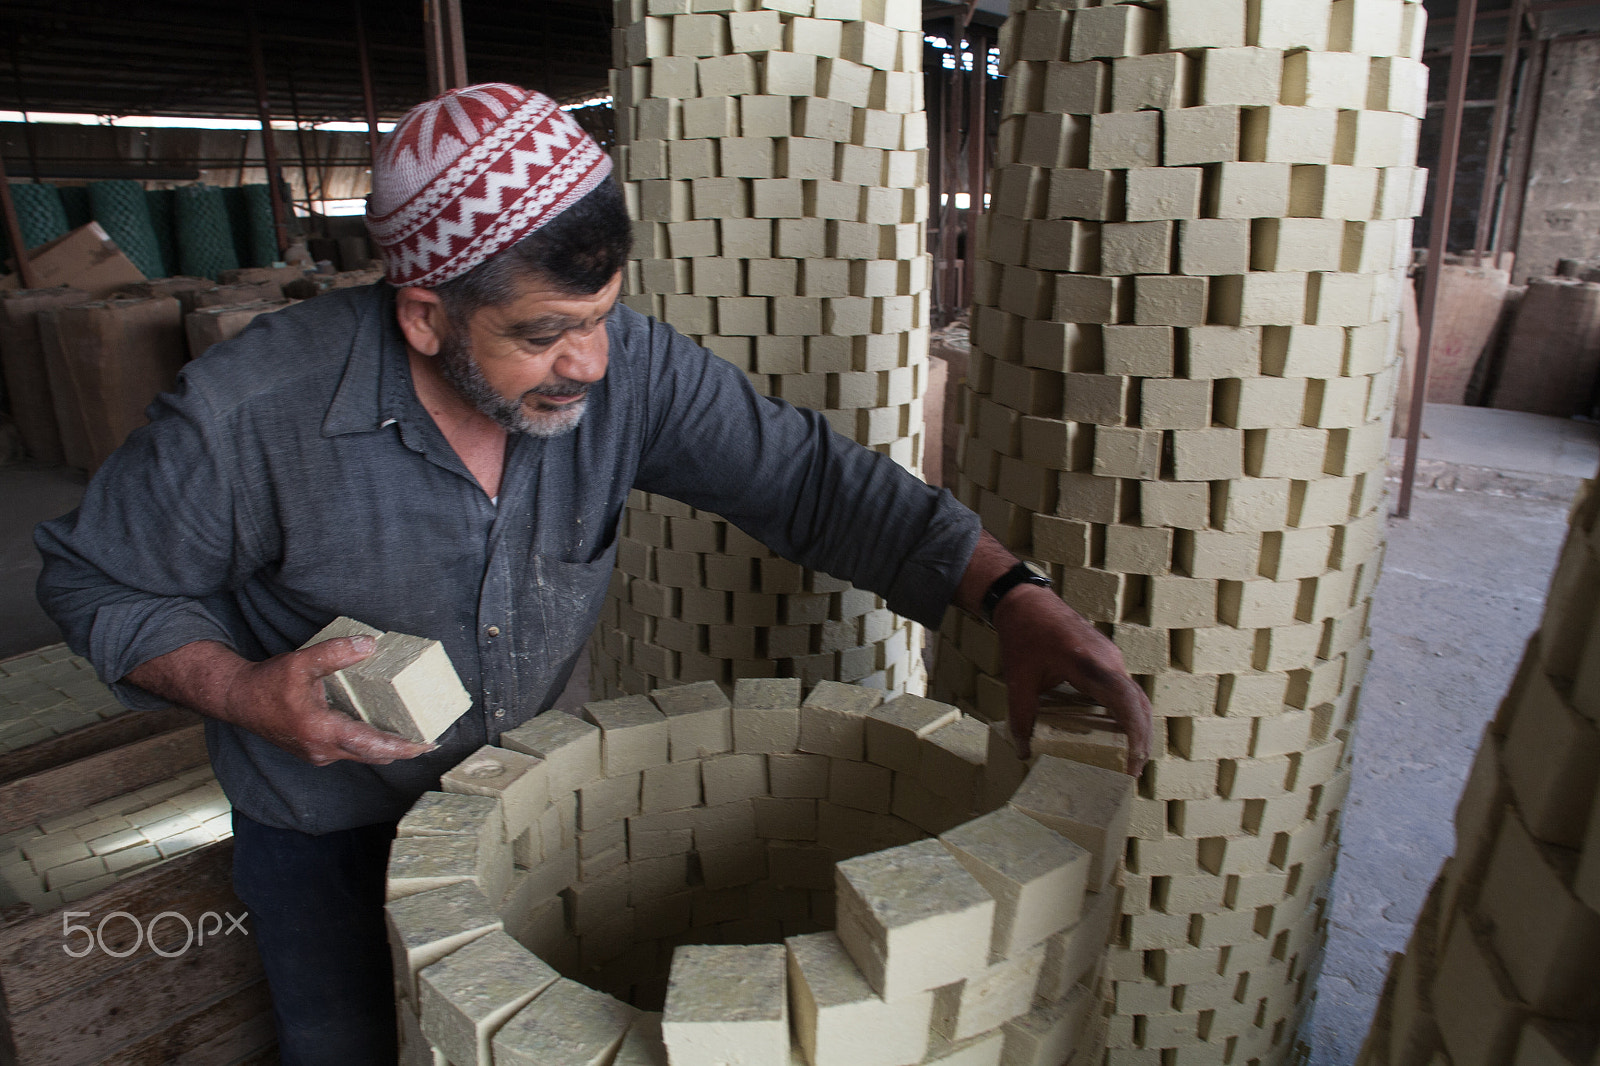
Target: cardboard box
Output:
{"points": [[87, 259]]}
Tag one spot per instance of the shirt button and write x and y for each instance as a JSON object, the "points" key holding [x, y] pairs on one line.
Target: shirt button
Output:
{"points": [[500, 714], [493, 631]]}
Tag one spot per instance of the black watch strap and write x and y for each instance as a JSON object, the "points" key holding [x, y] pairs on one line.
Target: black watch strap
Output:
{"points": [[1021, 574]]}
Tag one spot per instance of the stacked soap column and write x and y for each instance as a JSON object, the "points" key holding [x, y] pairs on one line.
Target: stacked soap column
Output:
{"points": [[1504, 962], [1184, 367], [776, 161]]}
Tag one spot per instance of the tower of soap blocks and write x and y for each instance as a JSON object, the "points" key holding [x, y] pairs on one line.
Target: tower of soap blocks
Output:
{"points": [[1184, 364], [838, 880], [1504, 963], [775, 154]]}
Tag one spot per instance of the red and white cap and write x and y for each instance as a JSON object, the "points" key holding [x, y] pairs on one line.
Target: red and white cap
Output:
{"points": [[472, 172]]}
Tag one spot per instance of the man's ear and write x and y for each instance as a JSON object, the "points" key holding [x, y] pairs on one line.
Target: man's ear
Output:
{"points": [[422, 318]]}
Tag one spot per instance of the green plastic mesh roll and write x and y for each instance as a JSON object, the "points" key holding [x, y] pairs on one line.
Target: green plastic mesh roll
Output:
{"points": [[75, 200], [205, 239], [161, 204], [263, 236], [123, 211], [40, 215]]}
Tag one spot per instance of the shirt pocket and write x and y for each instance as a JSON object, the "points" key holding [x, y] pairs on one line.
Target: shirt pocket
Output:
{"points": [[570, 596], [592, 539]]}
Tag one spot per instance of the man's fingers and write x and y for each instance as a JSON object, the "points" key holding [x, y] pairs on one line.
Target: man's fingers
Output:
{"points": [[1138, 724], [334, 655], [1136, 762], [362, 743], [1060, 698], [1129, 714], [1080, 719], [1022, 698]]}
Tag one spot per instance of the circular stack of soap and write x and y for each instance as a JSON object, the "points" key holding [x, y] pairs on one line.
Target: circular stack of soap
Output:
{"points": [[838, 879]]}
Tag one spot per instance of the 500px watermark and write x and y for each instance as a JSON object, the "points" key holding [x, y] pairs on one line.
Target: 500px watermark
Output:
{"points": [[210, 925]]}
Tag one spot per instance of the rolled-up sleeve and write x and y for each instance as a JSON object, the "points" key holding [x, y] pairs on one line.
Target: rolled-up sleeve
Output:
{"points": [[784, 476], [133, 572]]}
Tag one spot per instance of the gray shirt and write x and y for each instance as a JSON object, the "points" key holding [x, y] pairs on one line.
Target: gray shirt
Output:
{"points": [[293, 476]]}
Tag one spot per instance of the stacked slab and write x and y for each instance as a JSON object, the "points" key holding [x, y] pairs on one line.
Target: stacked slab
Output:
{"points": [[838, 881], [74, 855], [1504, 963], [1183, 372], [775, 156]]}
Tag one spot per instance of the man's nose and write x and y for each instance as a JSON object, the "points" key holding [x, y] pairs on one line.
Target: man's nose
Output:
{"points": [[584, 356]]}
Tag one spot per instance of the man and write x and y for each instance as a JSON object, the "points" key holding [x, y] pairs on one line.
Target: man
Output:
{"points": [[449, 455]]}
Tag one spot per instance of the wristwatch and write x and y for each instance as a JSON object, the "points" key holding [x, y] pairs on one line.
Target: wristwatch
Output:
{"points": [[1021, 574]]}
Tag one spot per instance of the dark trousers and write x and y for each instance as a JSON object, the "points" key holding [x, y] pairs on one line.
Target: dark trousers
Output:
{"points": [[316, 911]]}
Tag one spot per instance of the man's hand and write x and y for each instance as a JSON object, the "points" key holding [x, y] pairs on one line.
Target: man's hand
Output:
{"points": [[280, 700], [1043, 642]]}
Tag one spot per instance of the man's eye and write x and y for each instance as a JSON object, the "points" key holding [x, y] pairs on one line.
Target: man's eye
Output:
{"points": [[540, 342]]}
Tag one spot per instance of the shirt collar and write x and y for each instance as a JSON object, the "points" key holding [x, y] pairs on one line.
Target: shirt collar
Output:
{"points": [[376, 387]]}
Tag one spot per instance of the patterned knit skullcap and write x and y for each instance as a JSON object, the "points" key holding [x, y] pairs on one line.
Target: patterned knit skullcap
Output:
{"points": [[472, 172]]}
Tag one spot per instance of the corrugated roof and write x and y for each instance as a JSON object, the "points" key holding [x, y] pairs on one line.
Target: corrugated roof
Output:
{"points": [[190, 57]]}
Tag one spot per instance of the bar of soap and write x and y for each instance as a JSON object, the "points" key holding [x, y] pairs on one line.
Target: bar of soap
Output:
{"points": [[727, 1004], [407, 686], [340, 698], [913, 919]]}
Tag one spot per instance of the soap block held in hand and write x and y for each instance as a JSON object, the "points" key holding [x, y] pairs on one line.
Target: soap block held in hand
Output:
{"points": [[407, 686], [335, 686]]}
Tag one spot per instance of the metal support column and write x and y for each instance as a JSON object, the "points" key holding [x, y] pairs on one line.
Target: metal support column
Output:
{"points": [[977, 143], [269, 149], [444, 45], [1509, 230], [300, 144], [367, 96], [960, 98], [1497, 138], [1444, 193], [19, 250], [950, 173], [27, 122]]}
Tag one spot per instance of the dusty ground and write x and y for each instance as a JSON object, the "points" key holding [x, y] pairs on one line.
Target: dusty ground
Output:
{"points": [[1462, 590]]}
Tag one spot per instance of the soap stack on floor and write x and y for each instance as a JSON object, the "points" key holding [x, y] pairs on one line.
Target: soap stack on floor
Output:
{"points": [[115, 860], [1183, 370], [73, 856], [776, 161], [1503, 966], [836, 881], [48, 692], [70, 855]]}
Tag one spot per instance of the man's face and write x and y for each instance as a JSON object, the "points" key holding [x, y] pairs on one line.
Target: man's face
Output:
{"points": [[528, 363]]}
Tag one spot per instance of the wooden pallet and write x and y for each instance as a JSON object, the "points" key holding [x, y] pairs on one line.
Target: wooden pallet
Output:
{"points": [[205, 1006]]}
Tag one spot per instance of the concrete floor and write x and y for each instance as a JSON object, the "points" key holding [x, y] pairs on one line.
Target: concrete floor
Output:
{"points": [[1463, 587], [1508, 440], [31, 494], [1462, 590]]}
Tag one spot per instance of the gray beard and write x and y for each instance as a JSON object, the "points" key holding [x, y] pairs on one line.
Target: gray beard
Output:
{"points": [[457, 367]]}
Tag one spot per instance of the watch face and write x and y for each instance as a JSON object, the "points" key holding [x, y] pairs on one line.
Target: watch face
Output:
{"points": [[1037, 571]]}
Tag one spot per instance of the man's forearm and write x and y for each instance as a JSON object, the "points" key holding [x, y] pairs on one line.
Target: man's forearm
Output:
{"points": [[197, 676], [280, 700]]}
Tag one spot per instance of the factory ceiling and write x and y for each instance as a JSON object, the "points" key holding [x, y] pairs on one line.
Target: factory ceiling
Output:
{"points": [[192, 57]]}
